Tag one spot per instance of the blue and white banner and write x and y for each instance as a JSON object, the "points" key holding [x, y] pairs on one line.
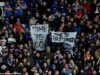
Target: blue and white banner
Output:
{"points": [[64, 37], [39, 33]]}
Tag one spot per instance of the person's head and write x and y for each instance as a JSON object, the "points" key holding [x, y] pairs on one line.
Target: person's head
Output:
{"points": [[21, 46], [44, 3], [34, 52], [18, 1], [1, 59], [58, 52], [82, 33], [56, 72], [36, 5], [20, 56], [64, 61], [16, 60], [49, 73], [11, 35], [50, 18], [98, 34], [61, 29], [82, 71], [63, 70], [7, 72], [69, 24], [85, 1], [38, 54], [4, 28], [48, 61], [45, 65], [74, 71], [7, 3], [94, 72], [28, 13], [37, 14], [28, 54], [18, 20], [48, 9], [24, 69], [62, 19], [24, 60], [26, 45], [36, 73], [11, 56], [60, 56], [75, 24], [53, 67], [28, 63], [69, 56], [48, 49], [62, 25], [66, 67], [11, 26], [71, 62], [21, 65]]}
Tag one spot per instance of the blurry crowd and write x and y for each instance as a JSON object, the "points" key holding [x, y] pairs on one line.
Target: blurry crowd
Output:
{"points": [[18, 54]]}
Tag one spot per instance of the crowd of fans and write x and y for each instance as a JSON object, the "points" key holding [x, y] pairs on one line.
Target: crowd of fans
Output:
{"points": [[17, 52]]}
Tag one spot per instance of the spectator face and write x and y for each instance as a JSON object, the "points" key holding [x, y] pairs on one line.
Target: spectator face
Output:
{"points": [[56, 73], [38, 55], [11, 36], [21, 64], [28, 63], [54, 67], [64, 70], [36, 5], [71, 62], [28, 12], [69, 56], [17, 60], [61, 29], [18, 1], [63, 19], [64, 61], [7, 3], [11, 26], [74, 71], [24, 60], [1, 59], [20, 56], [48, 50], [62, 24], [7, 73], [4, 28], [48, 10], [48, 61], [49, 73], [21, 46], [85, 1], [11, 56], [24, 70], [94, 72], [28, 54], [37, 14], [26, 45], [18, 21], [50, 18], [45, 65], [44, 3]]}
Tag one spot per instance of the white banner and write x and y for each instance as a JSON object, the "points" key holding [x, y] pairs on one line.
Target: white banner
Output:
{"points": [[39, 33], [64, 37]]}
